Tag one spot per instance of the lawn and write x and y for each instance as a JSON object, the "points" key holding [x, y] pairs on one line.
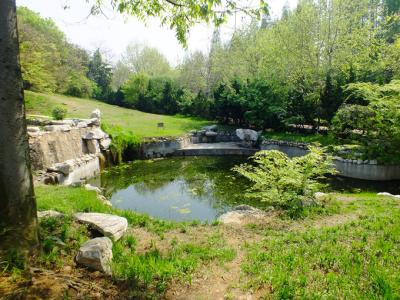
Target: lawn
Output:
{"points": [[349, 252], [324, 140], [139, 123]]}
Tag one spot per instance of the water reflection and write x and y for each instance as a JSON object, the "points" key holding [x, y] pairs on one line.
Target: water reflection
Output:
{"points": [[195, 188]]}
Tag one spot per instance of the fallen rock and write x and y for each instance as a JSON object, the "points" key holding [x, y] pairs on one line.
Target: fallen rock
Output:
{"points": [[210, 128], [65, 167], [93, 146], [57, 128], [49, 214], [389, 195], [109, 225], [63, 122], [320, 195], [96, 254], [32, 129], [82, 124], [95, 134], [105, 143], [211, 133], [90, 187], [242, 214], [104, 200], [95, 114], [247, 135]]}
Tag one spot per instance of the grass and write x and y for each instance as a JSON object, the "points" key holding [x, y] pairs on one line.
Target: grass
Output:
{"points": [[139, 123], [155, 269], [148, 273], [69, 200], [356, 260], [351, 253], [324, 140]]}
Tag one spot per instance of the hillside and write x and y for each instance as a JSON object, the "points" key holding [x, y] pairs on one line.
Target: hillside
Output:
{"points": [[140, 123]]}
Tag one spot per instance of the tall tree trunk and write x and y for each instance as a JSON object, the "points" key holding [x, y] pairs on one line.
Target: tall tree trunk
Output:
{"points": [[18, 220]]}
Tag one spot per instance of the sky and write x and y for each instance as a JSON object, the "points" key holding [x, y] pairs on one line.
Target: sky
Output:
{"points": [[113, 32]]}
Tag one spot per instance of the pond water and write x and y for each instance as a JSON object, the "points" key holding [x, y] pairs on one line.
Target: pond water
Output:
{"points": [[193, 188]]}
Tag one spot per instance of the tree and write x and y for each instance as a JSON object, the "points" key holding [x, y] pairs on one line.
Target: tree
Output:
{"points": [[100, 73], [49, 63], [18, 220], [18, 217]]}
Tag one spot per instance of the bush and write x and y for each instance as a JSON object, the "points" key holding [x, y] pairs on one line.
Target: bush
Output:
{"points": [[374, 124], [288, 183], [59, 113]]}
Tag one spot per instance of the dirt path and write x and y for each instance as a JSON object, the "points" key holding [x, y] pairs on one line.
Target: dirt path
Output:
{"points": [[219, 281], [226, 281]]}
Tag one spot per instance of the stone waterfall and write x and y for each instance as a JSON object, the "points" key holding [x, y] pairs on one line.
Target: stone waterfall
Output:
{"points": [[67, 151]]}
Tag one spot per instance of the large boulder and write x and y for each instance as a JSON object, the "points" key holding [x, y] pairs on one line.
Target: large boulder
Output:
{"points": [[49, 214], [63, 128], [242, 214], [211, 128], [247, 135], [68, 122], [109, 225], [389, 195], [211, 133], [90, 187], [96, 254], [65, 167], [96, 114], [33, 129], [105, 143], [95, 134], [93, 146]]}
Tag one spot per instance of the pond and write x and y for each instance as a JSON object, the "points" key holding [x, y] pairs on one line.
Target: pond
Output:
{"points": [[193, 188]]}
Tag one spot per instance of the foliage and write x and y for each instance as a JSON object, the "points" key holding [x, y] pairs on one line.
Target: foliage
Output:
{"points": [[373, 120], [135, 88], [125, 145], [100, 73], [180, 16], [59, 113], [139, 59], [49, 63], [289, 183]]}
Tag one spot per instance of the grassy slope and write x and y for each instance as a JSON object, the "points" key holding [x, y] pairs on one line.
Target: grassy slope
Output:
{"points": [[140, 123], [351, 252]]}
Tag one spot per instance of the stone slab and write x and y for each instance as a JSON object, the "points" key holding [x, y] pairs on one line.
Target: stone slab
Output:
{"points": [[110, 225]]}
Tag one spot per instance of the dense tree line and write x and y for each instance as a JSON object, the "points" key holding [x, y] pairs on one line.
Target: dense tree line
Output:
{"points": [[51, 64], [294, 70]]}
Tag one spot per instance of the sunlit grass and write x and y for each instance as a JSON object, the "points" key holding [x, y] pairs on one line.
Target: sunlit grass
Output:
{"points": [[139, 123]]}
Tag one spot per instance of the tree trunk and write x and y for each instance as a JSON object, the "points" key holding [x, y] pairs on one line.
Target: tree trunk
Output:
{"points": [[18, 220]]}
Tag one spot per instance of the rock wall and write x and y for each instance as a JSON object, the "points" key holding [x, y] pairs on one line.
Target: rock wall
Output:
{"points": [[67, 151], [48, 148], [367, 170], [291, 149], [352, 168], [162, 147]]}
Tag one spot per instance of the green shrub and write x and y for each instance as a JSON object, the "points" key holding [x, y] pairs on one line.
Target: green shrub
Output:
{"points": [[373, 122], [59, 113], [288, 183], [125, 144]]}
